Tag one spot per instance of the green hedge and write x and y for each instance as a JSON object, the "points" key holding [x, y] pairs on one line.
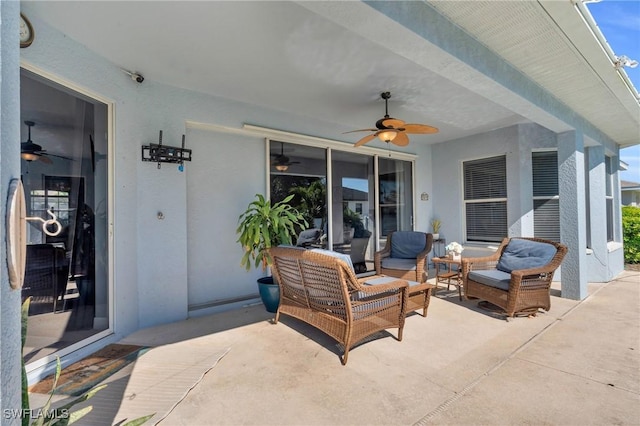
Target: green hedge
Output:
{"points": [[631, 234]]}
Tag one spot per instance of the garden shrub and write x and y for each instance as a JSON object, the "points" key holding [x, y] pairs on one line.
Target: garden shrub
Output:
{"points": [[631, 233]]}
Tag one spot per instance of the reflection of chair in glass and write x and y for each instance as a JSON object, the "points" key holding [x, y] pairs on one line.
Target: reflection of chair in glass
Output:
{"points": [[309, 237], [358, 252], [45, 274], [404, 255]]}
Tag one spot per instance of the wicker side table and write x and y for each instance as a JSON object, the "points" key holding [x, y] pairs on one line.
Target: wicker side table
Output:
{"points": [[448, 275]]}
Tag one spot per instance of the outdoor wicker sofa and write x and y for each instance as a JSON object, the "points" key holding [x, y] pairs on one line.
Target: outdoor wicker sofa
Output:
{"points": [[321, 289], [517, 277]]}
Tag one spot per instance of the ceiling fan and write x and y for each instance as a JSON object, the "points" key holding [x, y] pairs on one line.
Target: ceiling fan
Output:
{"points": [[393, 130], [281, 162], [31, 151]]}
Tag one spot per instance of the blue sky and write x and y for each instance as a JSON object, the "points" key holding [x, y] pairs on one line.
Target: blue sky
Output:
{"points": [[619, 22]]}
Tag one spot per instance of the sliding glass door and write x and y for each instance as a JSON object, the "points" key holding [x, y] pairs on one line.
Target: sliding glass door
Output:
{"points": [[64, 173], [395, 181], [353, 207], [336, 192], [302, 171]]}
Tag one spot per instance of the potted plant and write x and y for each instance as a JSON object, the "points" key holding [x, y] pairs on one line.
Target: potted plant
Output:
{"points": [[262, 226], [435, 225]]}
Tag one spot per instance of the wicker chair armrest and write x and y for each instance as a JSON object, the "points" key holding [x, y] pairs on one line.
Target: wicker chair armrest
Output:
{"points": [[377, 259], [401, 285], [520, 274], [385, 252], [478, 263]]}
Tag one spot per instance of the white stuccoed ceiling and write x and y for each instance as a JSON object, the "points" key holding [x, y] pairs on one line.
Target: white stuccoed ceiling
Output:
{"points": [[331, 60]]}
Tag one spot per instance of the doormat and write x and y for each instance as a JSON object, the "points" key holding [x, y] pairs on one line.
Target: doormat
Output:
{"points": [[81, 376]]}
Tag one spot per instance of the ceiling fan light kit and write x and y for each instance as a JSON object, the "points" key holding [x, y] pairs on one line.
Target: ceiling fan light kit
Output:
{"points": [[280, 161], [30, 151], [393, 130]]}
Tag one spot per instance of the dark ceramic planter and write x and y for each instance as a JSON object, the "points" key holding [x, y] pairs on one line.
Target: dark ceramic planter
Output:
{"points": [[269, 293]]}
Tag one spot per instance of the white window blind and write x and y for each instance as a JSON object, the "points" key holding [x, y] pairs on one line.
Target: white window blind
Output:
{"points": [[485, 199], [609, 195], [546, 201]]}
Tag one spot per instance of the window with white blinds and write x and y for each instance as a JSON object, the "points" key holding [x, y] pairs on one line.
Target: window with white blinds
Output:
{"points": [[609, 169], [546, 200], [485, 199]]}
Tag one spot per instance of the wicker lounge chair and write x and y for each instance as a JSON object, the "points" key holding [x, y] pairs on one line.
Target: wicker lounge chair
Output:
{"points": [[517, 277], [404, 255], [323, 291]]}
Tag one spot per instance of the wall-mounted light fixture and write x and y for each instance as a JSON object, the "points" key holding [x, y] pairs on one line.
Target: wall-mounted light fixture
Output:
{"points": [[624, 61]]}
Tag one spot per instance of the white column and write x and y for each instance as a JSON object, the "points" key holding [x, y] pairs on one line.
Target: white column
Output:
{"points": [[573, 214], [597, 213]]}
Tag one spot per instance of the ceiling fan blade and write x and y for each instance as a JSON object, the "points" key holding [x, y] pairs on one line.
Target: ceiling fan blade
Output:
{"points": [[58, 156], [45, 160], [365, 140], [401, 139], [361, 130], [391, 123], [420, 129]]}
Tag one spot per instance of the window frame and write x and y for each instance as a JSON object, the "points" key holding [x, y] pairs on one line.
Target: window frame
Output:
{"points": [[490, 200], [546, 233]]}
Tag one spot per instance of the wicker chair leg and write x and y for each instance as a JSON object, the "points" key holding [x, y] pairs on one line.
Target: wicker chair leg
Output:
{"points": [[277, 317], [344, 357]]}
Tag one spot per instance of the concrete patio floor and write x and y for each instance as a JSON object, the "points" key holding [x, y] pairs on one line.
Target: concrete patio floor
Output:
{"points": [[577, 364]]}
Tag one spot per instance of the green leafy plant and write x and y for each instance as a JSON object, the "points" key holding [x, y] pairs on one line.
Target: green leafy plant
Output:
{"points": [[60, 416], [631, 233], [263, 226], [435, 225], [310, 200]]}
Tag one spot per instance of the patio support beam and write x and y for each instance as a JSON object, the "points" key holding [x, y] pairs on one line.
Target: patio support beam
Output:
{"points": [[573, 214], [596, 210]]}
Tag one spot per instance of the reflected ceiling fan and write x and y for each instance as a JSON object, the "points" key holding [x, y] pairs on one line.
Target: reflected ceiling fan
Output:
{"points": [[280, 161], [392, 129], [31, 151]]}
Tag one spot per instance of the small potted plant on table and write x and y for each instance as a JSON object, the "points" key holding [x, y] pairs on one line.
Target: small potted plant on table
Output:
{"points": [[435, 226], [261, 227]]}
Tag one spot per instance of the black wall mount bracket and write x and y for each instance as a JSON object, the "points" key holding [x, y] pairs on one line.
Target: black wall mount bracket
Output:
{"points": [[159, 153]]}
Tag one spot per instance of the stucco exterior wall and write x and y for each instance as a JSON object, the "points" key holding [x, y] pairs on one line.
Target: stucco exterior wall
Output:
{"points": [[10, 343], [517, 143], [150, 256]]}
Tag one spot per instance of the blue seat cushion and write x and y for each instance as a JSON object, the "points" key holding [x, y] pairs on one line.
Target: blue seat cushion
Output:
{"points": [[525, 254], [344, 257], [399, 264], [386, 280], [492, 278], [407, 244]]}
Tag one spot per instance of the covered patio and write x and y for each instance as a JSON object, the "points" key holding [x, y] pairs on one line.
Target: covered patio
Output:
{"points": [[241, 80], [577, 364]]}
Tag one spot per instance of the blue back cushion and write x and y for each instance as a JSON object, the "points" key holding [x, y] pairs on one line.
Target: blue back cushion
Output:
{"points": [[344, 257], [407, 244], [525, 254]]}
